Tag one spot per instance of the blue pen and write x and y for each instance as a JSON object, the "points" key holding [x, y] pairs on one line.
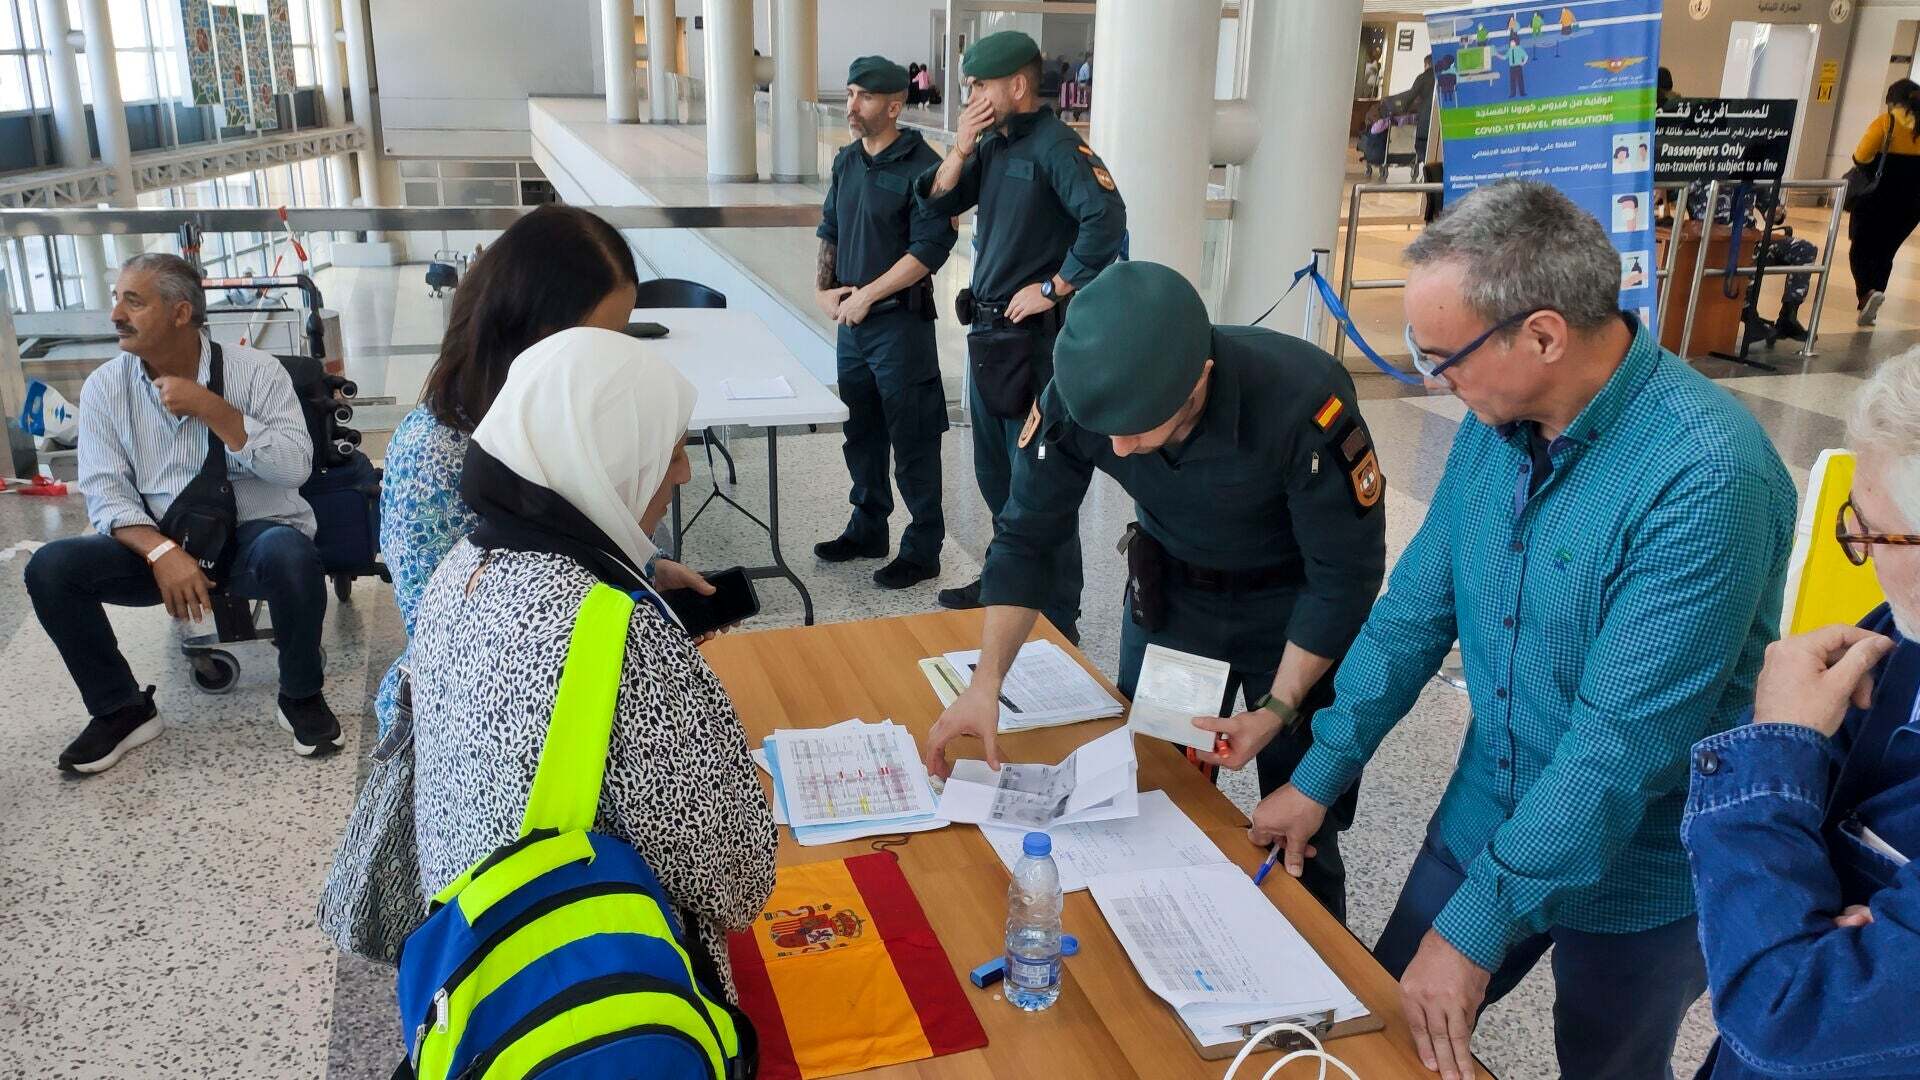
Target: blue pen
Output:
{"points": [[1273, 856]]}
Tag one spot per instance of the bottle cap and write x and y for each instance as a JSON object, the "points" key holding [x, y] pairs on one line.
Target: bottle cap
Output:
{"points": [[1037, 844], [1069, 944]]}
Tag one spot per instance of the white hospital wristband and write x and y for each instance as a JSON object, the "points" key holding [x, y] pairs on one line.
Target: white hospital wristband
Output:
{"points": [[160, 550]]}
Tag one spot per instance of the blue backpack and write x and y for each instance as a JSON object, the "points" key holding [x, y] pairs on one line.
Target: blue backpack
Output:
{"points": [[559, 955]]}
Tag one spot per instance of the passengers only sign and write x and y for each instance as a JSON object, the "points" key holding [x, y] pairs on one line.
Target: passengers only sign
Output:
{"points": [[1741, 139]]}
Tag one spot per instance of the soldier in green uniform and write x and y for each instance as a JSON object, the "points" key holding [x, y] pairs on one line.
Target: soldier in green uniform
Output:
{"points": [[878, 248], [1261, 538], [1050, 219]]}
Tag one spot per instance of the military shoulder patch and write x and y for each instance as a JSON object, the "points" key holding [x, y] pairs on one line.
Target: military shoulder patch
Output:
{"points": [[1367, 482], [1353, 448], [1103, 177], [1328, 414]]}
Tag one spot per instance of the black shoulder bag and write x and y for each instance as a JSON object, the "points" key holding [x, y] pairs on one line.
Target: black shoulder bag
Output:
{"points": [[1860, 183], [203, 518]]}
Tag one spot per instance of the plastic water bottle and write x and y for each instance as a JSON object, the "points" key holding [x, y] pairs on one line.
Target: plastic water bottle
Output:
{"points": [[1033, 926]]}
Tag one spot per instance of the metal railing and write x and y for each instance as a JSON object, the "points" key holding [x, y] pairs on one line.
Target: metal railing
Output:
{"points": [[1663, 274]]}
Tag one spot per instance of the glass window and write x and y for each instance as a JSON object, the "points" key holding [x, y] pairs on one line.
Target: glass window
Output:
{"points": [[13, 84], [136, 75], [301, 18], [129, 23], [9, 27], [303, 73], [39, 273]]}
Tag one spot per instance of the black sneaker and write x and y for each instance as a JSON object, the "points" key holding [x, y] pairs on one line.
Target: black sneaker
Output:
{"points": [[901, 574], [312, 724], [846, 548], [964, 598], [108, 738]]}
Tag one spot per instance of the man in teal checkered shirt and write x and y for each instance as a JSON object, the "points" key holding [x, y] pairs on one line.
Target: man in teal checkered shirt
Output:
{"points": [[1608, 544]]}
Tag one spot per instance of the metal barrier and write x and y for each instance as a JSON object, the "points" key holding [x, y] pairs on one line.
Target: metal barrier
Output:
{"points": [[1663, 274]]}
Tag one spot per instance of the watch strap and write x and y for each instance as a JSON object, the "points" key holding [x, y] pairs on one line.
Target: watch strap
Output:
{"points": [[1288, 714]]}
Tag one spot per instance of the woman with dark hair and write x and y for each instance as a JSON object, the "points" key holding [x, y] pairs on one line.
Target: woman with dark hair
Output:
{"points": [[1883, 220], [556, 268]]}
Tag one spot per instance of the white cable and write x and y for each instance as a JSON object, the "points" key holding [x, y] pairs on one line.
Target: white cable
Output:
{"points": [[1325, 1060], [1317, 1051]]}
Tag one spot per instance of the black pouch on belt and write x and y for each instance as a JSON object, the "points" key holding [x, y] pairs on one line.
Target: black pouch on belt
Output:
{"points": [[919, 301], [963, 307], [1146, 579], [1007, 369]]}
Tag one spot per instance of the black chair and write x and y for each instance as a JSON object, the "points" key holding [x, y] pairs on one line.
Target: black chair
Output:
{"points": [[680, 293]]}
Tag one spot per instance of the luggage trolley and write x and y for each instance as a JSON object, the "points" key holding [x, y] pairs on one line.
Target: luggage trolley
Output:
{"points": [[344, 489]]}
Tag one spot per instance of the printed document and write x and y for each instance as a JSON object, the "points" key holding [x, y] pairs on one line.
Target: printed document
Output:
{"points": [[757, 389], [1174, 687], [837, 775], [1044, 688], [1094, 783], [1161, 837]]}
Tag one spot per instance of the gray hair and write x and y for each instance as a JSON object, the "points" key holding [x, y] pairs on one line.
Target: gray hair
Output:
{"points": [[1523, 246], [1886, 423], [175, 278]]}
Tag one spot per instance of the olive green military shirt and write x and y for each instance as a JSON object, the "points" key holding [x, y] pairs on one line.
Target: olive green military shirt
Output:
{"points": [[1047, 206], [1280, 468]]}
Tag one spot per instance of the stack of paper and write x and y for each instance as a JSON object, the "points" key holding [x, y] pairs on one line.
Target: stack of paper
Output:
{"points": [[1094, 783], [1161, 837], [1215, 948], [1044, 688], [848, 781], [757, 389]]}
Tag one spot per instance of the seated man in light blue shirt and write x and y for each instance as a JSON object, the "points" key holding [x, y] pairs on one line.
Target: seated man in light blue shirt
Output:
{"points": [[1608, 543], [145, 419]]}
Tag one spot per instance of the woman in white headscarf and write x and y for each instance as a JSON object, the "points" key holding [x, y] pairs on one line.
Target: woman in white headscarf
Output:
{"points": [[569, 472]]}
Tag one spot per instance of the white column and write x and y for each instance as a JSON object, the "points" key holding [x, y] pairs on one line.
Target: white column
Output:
{"points": [[663, 38], [729, 86], [360, 90], [70, 130], [1288, 196], [616, 51], [796, 89], [332, 93], [109, 110], [1154, 134]]}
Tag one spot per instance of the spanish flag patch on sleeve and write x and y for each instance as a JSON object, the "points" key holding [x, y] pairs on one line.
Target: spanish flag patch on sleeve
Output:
{"points": [[1325, 417]]}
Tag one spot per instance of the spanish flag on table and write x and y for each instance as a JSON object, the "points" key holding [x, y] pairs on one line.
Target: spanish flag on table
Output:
{"points": [[842, 973]]}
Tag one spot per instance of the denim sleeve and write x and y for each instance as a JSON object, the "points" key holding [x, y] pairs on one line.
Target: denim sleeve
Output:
{"points": [[1677, 623], [1793, 994]]}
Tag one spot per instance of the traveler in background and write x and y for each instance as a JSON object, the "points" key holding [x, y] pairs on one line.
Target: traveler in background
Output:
{"points": [[147, 419], [555, 268], [1803, 825], [1086, 69], [1608, 543], [569, 473], [923, 83], [1883, 220], [1050, 218]]}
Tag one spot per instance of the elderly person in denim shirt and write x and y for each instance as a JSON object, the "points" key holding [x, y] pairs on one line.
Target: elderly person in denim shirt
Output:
{"points": [[1802, 824]]}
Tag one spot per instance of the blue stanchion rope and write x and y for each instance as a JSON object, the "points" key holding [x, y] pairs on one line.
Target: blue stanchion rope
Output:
{"points": [[1330, 297]]}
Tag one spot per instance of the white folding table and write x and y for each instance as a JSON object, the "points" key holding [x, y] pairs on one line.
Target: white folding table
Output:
{"points": [[712, 345]]}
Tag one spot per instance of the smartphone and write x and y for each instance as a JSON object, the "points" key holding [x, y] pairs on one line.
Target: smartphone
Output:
{"points": [[644, 330], [733, 601]]}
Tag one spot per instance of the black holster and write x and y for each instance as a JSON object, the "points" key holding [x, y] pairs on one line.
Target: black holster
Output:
{"points": [[1146, 579]]}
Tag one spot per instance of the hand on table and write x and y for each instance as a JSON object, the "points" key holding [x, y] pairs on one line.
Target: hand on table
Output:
{"points": [[1441, 993], [1287, 819], [1810, 679], [1246, 735], [975, 712]]}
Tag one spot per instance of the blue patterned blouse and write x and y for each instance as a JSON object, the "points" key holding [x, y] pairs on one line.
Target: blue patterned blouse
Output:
{"points": [[421, 517]]}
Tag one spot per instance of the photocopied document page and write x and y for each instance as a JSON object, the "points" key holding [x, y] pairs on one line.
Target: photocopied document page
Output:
{"points": [[1160, 837], [837, 775], [1213, 946], [757, 389], [1174, 687], [1044, 688], [1095, 782], [768, 758]]}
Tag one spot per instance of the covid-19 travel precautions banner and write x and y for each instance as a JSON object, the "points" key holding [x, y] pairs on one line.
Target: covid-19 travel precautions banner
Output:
{"points": [[1562, 94]]}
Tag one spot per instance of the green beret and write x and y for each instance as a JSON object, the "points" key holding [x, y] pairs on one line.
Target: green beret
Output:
{"points": [[998, 55], [878, 74], [1133, 347]]}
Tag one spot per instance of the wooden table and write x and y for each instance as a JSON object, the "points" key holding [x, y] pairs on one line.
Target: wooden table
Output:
{"points": [[1107, 1024]]}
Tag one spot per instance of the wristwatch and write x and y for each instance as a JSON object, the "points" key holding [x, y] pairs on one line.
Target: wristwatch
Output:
{"points": [[1046, 289], [1287, 713]]}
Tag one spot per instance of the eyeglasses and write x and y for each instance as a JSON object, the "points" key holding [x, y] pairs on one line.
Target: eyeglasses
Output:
{"points": [[1856, 541], [1425, 364]]}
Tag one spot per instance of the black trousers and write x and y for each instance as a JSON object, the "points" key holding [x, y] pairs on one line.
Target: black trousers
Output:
{"points": [[1878, 227], [890, 380]]}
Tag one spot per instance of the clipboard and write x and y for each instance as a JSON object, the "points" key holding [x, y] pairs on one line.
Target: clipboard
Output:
{"points": [[1321, 1024]]}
